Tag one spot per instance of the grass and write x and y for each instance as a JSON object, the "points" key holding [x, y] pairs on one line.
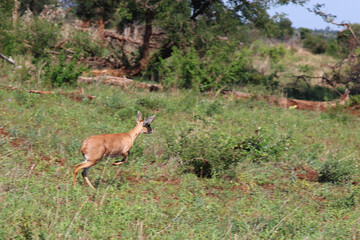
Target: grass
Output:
{"points": [[156, 195]]}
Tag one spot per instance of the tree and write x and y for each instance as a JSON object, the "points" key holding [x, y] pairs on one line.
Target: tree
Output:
{"points": [[194, 23], [35, 6], [283, 29], [347, 38], [95, 9]]}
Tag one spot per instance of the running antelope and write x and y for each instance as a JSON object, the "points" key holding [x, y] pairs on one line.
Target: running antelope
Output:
{"points": [[97, 147]]}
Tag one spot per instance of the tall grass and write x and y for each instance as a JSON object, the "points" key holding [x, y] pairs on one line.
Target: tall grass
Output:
{"points": [[272, 190]]}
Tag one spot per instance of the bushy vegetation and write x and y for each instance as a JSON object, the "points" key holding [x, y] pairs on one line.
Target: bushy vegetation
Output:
{"points": [[214, 168], [207, 162]]}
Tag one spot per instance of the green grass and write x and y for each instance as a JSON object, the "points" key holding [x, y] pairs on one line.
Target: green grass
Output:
{"points": [[267, 192]]}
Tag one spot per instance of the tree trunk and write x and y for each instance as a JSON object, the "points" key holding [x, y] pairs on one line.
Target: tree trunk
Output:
{"points": [[145, 48], [15, 12]]}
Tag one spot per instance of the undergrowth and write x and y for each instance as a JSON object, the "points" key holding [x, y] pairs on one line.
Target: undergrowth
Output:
{"points": [[213, 168]]}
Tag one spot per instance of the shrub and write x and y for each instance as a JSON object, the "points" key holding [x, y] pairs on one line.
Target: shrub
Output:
{"points": [[207, 109], [64, 72], [217, 154], [186, 69], [336, 171], [42, 35], [264, 146], [315, 43], [9, 44], [149, 103], [114, 101], [208, 155], [34, 37], [240, 71], [275, 52]]}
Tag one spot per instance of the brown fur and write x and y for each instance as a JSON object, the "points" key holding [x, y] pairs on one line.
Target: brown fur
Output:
{"points": [[97, 147]]}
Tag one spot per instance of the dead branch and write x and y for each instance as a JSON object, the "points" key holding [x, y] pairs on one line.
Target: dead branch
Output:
{"points": [[119, 37], [9, 60], [60, 44]]}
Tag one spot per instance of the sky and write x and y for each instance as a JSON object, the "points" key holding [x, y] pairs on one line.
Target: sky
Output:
{"points": [[347, 11]]}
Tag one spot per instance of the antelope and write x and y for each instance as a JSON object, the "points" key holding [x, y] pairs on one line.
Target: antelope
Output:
{"points": [[97, 147]]}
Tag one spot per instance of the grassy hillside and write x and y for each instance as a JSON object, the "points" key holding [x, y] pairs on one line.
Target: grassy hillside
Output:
{"points": [[214, 168]]}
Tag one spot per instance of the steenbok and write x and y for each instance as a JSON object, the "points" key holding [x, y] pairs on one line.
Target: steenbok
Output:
{"points": [[97, 147]]}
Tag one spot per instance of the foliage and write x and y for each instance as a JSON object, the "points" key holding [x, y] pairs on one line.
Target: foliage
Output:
{"points": [[346, 41], [283, 29], [217, 154], [36, 37], [9, 42], [320, 42], [35, 6], [42, 36], [6, 6], [264, 146], [95, 10], [312, 93], [190, 26], [316, 44], [208, 155], [157, 189], [64, 72], [187, 70], [336, 171]]}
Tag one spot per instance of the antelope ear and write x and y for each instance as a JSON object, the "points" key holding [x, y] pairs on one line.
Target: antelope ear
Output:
{"points": [[138, 117], [149, 120]]}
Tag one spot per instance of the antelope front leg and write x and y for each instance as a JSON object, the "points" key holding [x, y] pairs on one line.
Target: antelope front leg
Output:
{"points": [[126, 156]]}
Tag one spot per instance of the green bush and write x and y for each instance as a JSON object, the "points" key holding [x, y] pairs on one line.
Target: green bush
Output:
{"points": [[217, 154], [187, 70], [9, 44], [43, 35], [208, 155], [275, 52], [184, 71], [264, 146], [64, 72], [336, 171], [114, 101], [148, 102], [315, 43], [332, 49], [35, 37]]}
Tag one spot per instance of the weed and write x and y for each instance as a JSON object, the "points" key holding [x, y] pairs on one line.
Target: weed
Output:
{"points": [[114, 101]]}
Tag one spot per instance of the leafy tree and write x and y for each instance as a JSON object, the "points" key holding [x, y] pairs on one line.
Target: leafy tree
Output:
{"points": [[6, 6], [196, 23], [346, 39], [283, 29], [36, 6], [96, 10], [304, 32], [317, 44]]}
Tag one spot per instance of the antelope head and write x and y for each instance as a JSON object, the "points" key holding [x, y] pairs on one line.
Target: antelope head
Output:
{"points": [[146, 128]]}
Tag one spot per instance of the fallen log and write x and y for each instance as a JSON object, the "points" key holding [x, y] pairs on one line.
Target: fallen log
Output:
{"points": [[109, 72], [292, 103], [119, 81]]}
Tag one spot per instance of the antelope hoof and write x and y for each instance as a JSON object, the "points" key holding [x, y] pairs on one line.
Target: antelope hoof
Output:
{"points": [[117, 163]]}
